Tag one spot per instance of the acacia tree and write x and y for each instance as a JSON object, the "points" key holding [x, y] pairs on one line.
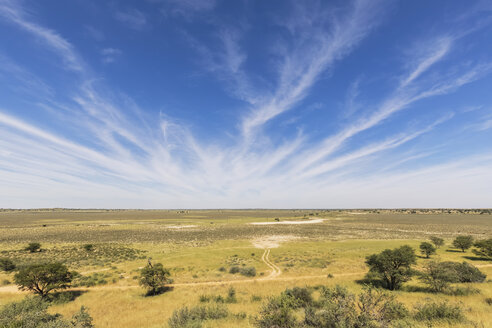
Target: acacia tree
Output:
{"points": [[484, 248], [438, 242], [427, 249], [43, 278], [154, 278], [463, 242], [393, 267]]}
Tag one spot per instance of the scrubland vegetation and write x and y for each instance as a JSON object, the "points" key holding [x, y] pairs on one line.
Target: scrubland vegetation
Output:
{"points": [[376, 268]]}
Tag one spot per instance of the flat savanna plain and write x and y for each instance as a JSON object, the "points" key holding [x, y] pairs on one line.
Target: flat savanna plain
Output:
{"points": [[200, 246]]}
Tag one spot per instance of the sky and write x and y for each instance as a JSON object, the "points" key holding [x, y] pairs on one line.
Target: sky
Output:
{"points": [[245, 104]]}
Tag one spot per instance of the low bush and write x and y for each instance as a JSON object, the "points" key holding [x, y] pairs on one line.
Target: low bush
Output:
{"points": [[33, 247], [94, 279], [231, 295], [439, 275], [256, 298], [32, 312], [234, 269], [194, 317], [248, 271], [439, 311], [301, 294], [88, 247], [7, 265]]}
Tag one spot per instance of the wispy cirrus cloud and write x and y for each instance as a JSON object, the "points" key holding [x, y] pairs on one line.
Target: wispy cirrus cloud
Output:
{"points": [[12, 12], [109, 55], [132, 18]]}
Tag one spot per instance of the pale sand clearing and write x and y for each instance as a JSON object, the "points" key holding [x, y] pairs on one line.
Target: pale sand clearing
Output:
{"points": [[290, 222], [272, 241], [181, 226]]}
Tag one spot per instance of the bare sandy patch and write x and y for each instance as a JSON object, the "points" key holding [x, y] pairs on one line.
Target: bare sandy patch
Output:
{"points": [[272, 241], [184, 226], [313, 221]]}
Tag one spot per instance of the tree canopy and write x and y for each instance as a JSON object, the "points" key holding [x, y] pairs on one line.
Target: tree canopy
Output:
{"points": [[463, 242], [43, 278], [393, 267], [154, 278]]}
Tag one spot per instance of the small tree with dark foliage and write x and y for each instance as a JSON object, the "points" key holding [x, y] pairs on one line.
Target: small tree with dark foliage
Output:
{"points": [[154, 278], [43, 278], [393, 267], [6, 265], [438, 242], [427, 249], [463, 242], [33, 247], [484, 248]]}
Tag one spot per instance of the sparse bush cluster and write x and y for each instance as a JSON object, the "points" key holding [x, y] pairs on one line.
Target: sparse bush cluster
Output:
{"points": [[32, 312], [391, 268], [193, 317], [94, 279], [337, 307], [230, 298], [75, 256], [245, 271]]}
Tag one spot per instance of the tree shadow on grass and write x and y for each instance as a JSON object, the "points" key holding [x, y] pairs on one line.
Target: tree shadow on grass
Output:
{"points": [[417, 289], [159, 291], [65, 296], [476, 258], [454, 251], [377, 283]]}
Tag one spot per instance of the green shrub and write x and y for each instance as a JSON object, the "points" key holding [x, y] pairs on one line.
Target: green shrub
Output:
{"points": [[204, 298], [193, 317], [488, 300], [469, 273], [336, 308], [248, 271], [88, 247], [6, 265], [231, 295], [439, 275], [82, 319], [33, 247], [255, 298], [277, 312], [31, 312], [439, 311], [301, 294], [234, 269]]}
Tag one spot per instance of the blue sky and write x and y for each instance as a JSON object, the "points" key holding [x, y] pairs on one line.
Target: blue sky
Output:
{"points": [[245, 104]]}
